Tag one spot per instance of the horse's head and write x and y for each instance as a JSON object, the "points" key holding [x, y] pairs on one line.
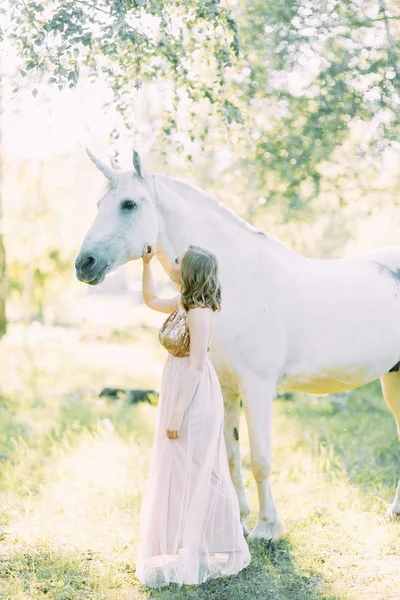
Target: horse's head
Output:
{"points": [[127, 218]]}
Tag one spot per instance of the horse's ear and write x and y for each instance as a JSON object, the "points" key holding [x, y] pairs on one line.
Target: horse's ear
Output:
{"points": [[137, 164], [114, 164]]}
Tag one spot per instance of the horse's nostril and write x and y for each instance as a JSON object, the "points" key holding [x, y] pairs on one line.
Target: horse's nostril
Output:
{"points": [[88, 262]]}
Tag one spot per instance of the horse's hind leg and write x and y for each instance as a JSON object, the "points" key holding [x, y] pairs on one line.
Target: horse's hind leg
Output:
{"points": [[257, 395], [391, 391], [231, 431]]}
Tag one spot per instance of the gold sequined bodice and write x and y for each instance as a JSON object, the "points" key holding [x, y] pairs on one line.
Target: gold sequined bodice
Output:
{"points": [[174, 334]]}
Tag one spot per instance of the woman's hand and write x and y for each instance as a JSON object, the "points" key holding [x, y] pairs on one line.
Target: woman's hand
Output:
{"points": [[148, 252], [174, 426]]}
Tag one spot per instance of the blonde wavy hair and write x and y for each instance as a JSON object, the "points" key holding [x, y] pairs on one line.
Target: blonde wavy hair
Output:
{"points": [[200, 279]]}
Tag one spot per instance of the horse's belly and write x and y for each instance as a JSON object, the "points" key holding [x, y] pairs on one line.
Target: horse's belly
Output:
{"points": [[333, 379], [319, 384]]}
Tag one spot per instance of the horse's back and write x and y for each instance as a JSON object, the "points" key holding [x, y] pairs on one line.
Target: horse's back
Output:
{"points": [[388, 256]]}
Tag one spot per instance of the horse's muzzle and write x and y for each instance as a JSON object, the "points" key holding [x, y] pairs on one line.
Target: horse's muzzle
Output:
{"points": [[90, 270]]}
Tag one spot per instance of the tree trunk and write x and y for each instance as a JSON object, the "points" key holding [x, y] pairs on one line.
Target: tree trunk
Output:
{"points": [[3, 288], [3, 277]]}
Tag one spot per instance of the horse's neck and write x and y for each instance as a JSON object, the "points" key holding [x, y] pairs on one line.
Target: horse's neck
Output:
{"points": [[190, 216]]}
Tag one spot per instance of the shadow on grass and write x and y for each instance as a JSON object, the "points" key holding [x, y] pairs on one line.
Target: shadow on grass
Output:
{"points": [[361, 433], [271, 574]]}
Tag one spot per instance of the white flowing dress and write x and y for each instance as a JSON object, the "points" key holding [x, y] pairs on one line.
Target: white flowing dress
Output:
{"points": [[190, 528]]}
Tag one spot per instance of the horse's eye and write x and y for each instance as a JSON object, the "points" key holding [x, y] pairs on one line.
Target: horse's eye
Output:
{"points": [[176, 260], [128, 204]]}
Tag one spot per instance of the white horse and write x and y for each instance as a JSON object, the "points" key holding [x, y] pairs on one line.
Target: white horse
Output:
{"points": [[288, 322]]}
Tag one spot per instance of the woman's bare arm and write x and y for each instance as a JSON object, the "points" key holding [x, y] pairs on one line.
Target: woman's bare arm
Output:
{"points": [[150, 296], [199, 323]]}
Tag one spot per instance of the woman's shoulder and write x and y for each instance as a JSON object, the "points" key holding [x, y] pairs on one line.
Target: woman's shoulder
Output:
{"points": [[200, 313], [200, 309]]}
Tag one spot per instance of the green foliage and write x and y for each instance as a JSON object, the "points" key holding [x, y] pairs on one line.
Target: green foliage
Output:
{"points": [[131, 41], [49, 278], [281, 85], [41, 234], [312, 71]]}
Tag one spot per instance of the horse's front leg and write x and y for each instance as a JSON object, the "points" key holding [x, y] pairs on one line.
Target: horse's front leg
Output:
{"points": [[394, 510], [257, 397], [391, 391], [231, 434]]}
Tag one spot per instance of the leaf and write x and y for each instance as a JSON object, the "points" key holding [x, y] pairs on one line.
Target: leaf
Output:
{"points": [[86, 39]]}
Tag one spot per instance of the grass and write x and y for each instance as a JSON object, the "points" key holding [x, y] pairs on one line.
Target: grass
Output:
{"points": [[73, 469]]}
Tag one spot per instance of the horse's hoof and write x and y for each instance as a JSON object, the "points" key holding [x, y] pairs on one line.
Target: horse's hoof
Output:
{"points": [[268, 531], [393, 512], [246, 530]]}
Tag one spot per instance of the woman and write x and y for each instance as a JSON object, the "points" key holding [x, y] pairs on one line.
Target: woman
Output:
{"points": [[190, 528]]}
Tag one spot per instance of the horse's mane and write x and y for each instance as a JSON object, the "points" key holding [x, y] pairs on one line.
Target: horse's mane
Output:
{"points": [[203, 197], [185, 188]]}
